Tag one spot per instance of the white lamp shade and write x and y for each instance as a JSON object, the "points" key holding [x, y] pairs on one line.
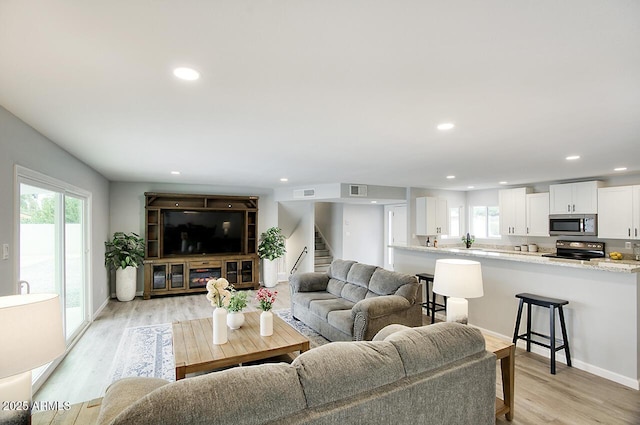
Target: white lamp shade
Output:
{"points": [[458, 278], [31, 332]]}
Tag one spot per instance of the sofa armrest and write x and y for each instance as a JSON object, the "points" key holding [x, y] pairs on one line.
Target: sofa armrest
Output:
{"points": [[375, 307], [308, 282], [123, 393]]}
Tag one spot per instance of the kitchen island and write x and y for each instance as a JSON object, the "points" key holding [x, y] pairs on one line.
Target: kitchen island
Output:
{"points": [[603, 320]]}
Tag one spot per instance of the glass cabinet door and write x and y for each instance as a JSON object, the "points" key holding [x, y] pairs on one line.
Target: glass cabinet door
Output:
{"points": [[232, 272], [177, 276], [159, 276], [247, 271]]}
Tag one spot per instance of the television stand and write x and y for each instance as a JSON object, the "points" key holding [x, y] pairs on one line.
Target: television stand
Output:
{"points": [[167, 273]]}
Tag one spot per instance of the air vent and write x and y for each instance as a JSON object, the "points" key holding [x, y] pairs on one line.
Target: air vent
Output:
{"points": [[304, 193], [357, 190]]}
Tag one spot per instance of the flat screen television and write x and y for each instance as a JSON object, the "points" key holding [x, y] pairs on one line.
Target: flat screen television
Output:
{"points": [[187, 232]]}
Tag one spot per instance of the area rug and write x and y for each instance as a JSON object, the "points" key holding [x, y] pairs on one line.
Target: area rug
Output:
{"points": [[145, 351], [148, 350]]}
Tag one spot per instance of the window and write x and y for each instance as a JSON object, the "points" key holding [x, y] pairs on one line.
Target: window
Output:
{"points": [[485, 222]]}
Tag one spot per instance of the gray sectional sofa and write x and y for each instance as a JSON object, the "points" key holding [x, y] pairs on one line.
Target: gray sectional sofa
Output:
{"points": [[433, 374], [353, 301]]}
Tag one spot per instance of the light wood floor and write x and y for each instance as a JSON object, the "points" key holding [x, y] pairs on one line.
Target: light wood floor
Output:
{"points": [[571, 396]]}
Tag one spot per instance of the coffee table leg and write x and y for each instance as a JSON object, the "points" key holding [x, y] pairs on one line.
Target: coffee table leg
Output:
{"points": [[305, 347], [180, 372], [507, 364]]}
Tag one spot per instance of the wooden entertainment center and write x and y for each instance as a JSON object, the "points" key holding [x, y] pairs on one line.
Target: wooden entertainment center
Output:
{"points": [[193, 238]]}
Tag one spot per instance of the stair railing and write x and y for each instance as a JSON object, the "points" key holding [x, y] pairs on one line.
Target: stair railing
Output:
{"points": [[295, 266]]}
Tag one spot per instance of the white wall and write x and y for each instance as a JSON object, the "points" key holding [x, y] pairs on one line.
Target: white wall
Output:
{"points": [[296, 219], [20, 144], [127, 207], [363, 233]]}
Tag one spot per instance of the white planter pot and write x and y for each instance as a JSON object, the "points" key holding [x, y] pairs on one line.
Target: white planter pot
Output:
{"points": [[219, 326], [126, 283], [235, 319], [269, 273]]}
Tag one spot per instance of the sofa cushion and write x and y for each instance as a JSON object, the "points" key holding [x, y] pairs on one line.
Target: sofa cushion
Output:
{"points": [[385, 282], [123, 392], [360, 274], [343, 369], [430, 347], [339, 269], [341, 320], [305, 298], [238, 396], [353, 293], [335, 286], [321, 308]]}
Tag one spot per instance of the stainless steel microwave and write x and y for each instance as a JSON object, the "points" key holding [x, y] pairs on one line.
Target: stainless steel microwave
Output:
{"points": [[573, 224]]}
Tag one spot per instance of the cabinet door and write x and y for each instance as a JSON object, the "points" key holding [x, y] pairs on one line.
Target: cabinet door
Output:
{"points": [[560, 198], [159, 278], [176, 276], [615, 212], [442, 216], [505, 202], [585, 198], [247, 271], [538, 214], [519, 199], [231, 271], [636, 212]]}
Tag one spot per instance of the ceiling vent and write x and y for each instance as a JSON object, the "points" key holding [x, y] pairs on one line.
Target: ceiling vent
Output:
{"points": [[304, 193], [357, 190]]}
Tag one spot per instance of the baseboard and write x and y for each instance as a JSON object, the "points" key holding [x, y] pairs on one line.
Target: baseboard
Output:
{"points": [[578, 364], [99, 310]]}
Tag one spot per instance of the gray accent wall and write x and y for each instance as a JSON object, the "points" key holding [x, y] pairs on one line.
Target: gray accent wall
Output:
{"points": [[22, 145]]}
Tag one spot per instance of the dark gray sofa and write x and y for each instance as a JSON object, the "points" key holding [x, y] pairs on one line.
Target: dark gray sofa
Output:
{"points": [[437, 374], [353, 301]]}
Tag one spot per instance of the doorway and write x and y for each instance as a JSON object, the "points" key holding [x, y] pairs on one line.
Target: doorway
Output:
{"points": [[396, 232]]}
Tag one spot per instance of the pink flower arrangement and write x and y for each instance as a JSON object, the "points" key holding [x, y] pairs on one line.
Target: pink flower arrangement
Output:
{"points": [[266, 298]]}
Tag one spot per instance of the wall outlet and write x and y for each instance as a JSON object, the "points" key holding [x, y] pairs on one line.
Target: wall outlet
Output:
{"points": [[627, 245], [5, 251]]}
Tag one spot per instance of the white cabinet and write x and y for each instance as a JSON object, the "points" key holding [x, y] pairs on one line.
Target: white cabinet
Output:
{"points": [[619, 212], [538, 214], [431, 216], [574, 198], [513, 211]]}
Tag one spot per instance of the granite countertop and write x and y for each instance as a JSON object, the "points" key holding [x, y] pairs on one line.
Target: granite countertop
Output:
{"points": [[618, 266]]}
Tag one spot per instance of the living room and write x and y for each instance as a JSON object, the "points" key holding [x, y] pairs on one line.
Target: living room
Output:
{"points": [[322, 97]]}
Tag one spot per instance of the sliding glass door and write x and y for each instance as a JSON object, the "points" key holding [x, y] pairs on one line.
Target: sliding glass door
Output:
{"points": [[53, 247]]}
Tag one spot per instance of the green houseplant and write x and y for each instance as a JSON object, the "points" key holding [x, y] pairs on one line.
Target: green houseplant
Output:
{"points": [[271, 247], [238, 301], [124, 253]]}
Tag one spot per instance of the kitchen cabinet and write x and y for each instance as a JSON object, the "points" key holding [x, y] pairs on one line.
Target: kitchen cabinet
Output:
{"points": [[513, 211], [574, 198], [538, 214], [431, 216], [619, 212]]}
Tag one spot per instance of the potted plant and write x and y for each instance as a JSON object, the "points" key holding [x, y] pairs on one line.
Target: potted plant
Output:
{"points": [[265, 299], [270, 248], [124, 253], [237, 302]]}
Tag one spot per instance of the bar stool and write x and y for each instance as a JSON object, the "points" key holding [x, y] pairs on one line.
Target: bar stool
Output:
{"points": [[552, 304], [431, 305]]}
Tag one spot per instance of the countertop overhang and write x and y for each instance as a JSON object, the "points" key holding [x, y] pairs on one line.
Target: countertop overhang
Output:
{"points": [[616, 266]]}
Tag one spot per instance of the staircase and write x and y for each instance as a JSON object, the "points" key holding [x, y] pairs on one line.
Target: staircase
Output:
{"points": [[323, 256]]}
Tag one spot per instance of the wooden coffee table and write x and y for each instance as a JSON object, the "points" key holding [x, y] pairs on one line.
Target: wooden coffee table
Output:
{"points": [[506, 353], [194, 350]]}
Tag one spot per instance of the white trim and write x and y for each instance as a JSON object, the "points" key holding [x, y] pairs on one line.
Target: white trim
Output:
{"points": [[578, 364], [99, 310]]}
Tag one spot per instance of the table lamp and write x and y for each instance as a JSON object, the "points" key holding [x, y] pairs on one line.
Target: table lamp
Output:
{"points": [[458, 280], [32, 335]]}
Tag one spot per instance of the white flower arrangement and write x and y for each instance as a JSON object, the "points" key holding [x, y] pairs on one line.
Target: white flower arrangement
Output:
{"points": [[218, 293]]}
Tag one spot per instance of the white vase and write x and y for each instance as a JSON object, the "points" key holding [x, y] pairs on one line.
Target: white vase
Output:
{"points": [[266, 323], [235, 319], [126, 283], [219, 326], [269, 272]]}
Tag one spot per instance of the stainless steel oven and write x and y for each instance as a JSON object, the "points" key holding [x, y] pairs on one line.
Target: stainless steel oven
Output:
{"points": [[573, 224]]}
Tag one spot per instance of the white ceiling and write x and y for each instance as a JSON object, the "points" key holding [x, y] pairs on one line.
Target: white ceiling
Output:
{"points": [[330, 91]]}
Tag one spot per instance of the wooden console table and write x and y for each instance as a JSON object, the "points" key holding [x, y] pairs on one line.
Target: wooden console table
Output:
{"points": [[506, 353]]}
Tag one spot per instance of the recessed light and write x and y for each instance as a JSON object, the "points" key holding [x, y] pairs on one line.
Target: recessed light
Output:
{"points": [[284, 179], [188, 74], [175, 173], [451, 177], [470, 187], [620, 169], [503, 183], [572, 157], [374, 202], [445, 126]]}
